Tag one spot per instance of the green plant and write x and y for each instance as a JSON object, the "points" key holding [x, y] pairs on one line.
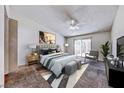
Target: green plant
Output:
{"points": [[119, 50], [105, 49]]}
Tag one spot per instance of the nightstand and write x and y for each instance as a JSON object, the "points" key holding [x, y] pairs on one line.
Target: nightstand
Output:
{"points": [[33, 58]]}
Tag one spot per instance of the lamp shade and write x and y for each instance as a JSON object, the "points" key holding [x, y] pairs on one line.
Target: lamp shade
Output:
{"points": [[66, 45]]}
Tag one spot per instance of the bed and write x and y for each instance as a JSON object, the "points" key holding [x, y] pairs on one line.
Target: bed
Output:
{"points": [[55, 62], [53, 59]]}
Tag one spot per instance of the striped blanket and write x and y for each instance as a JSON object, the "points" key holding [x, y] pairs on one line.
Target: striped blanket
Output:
{"points": [[57, 62]]}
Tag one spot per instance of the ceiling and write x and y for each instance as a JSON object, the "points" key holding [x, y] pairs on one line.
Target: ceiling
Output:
{"points": [[90, 18]]}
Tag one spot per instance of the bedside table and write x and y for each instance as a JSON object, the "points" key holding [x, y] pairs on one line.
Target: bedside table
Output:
{"points": [[33, 58]]}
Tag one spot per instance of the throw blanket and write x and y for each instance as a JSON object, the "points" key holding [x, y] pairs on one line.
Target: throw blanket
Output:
{"points": [[56, 63]]}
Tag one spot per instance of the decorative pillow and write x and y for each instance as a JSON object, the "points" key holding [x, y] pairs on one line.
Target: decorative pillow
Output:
{"points": [[52, 51], [47, 51], [44, 52]]}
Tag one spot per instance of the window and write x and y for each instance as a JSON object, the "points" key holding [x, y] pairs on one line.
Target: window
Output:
{"points": [[82, 46], [78, 47]]}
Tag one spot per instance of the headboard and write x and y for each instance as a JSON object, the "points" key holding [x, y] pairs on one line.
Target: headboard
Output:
{"points": [[47, 46]]}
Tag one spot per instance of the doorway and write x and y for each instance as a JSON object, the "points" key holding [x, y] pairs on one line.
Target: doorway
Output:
{"points": [[11, 45], [82, 46]]}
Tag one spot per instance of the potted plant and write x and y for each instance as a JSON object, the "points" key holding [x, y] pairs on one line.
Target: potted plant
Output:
{"points": [[105, 49]]}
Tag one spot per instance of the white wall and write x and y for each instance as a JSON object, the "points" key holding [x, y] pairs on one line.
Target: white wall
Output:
{"points": [[97, 40], [28, 34], [118, 28], [6, 42], [1, 46]]}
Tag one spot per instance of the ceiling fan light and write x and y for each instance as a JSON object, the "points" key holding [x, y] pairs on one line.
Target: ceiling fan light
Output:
{"points": [[72, 21], [77, 27], [74, 27]]}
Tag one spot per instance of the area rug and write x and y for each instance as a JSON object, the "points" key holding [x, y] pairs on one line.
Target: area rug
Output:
{"points": [[64, 81], [93, 77], [26, 77]]}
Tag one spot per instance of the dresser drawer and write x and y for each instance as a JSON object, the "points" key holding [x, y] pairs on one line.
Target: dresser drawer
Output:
{"points": [[31, 58]]}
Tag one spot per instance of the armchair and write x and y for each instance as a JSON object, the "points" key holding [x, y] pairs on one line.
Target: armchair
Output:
{"points": [[93, 55]]}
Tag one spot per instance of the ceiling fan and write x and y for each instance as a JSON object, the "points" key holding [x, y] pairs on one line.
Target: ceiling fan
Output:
{"points": [[72, 21], [73, 24]]}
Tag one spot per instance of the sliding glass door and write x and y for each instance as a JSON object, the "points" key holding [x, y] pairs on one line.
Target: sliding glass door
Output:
{"points": [[82, 46], [77, 47]]}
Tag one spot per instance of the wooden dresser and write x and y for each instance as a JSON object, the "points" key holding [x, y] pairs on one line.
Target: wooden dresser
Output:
{"points": [[33, 58]]}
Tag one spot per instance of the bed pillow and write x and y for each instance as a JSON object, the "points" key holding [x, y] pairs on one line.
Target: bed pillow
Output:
{"points": [[52, 51], [47, 51], [44, 52]]}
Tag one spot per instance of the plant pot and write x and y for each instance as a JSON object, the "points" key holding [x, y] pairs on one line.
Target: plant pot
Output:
{"points": [[106, 68]]}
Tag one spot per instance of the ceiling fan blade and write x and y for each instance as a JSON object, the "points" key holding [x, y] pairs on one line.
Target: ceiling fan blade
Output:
{"points": [[70, 16], [80, 24]]}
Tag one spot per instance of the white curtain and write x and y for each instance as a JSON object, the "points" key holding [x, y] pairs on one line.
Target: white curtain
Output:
{"points": [[82, 46]]}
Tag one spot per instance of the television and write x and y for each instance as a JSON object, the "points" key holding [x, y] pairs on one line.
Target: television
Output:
{"points": [[120, 47]]}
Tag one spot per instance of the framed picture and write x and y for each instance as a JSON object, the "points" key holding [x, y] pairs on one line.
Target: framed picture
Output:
{"points": [[47, 38]]}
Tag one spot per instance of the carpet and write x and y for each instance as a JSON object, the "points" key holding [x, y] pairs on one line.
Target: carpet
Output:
{"points": [[93, 77], [26, 77], [64, 81]]}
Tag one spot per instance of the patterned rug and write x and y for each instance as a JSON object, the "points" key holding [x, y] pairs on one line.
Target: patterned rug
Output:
{"points": [[90, 75], [93, 77], [64, 81], [26, 77]]}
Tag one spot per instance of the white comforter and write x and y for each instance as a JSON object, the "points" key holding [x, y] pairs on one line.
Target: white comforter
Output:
{"points": [[56, 64]]}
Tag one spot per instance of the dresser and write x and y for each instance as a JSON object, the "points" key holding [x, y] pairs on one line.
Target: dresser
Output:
{"points": [[115, 76], [33, 58]]}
